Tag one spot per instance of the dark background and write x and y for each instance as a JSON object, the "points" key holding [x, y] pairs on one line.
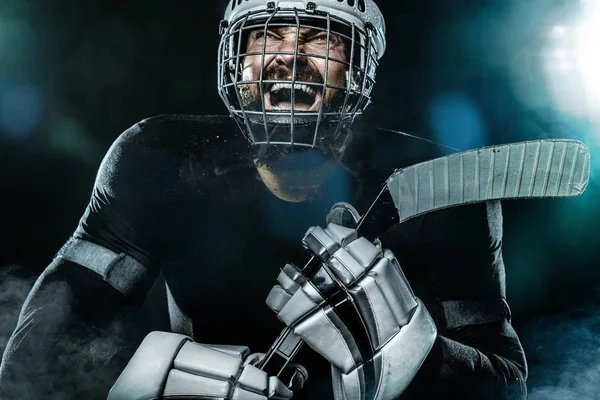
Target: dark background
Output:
{"points": [[463, 72]]}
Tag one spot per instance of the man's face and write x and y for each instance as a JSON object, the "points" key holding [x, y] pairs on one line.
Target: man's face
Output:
{"points": [[309, 68]]}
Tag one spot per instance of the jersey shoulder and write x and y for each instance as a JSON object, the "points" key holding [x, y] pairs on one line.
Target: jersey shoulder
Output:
{"points": [[158, 157]]}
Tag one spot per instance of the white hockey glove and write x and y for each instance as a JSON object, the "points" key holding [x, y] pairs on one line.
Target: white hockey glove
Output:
{"points": [[376, 341], [172, 366]]}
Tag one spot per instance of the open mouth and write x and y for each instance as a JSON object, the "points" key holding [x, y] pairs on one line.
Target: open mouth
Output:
{"points": [[279, 97]]}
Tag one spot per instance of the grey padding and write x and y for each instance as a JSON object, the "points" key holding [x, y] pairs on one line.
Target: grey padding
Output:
{"points": [[346, 268], [318, 241], [341, 234], [327, 334], [254, 380], [289, 279], [147, 371], [298, 306], [121, 271], [184, 384], [277, 298], [198, 359], [294, 273], [532, 169], [363, 251], [242, 394], [231, 349]]}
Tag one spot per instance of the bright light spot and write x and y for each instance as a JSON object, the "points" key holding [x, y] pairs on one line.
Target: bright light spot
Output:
{"points": [[572, 66], [587, 39], [564, 66], [560, 53], [559, 31]]}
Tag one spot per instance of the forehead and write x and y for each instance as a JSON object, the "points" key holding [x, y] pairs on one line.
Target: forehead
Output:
{"points": [[292, 30]]}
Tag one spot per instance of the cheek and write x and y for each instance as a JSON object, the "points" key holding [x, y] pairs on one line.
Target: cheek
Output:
{"points": [[251, 66], [319, 65], [336, 73]]}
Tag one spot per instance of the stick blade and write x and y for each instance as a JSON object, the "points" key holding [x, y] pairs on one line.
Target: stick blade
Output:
{"points": [[532, 169]]}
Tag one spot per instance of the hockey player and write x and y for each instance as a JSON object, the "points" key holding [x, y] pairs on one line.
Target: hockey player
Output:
{"points": [[218, 207]]}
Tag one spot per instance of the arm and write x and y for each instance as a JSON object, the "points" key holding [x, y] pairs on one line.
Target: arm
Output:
{"points": [[73, 337], [79, 325], [451, 255], [476, 355]]}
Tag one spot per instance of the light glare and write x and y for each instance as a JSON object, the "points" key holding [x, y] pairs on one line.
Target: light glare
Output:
{"points": [[559, 31]]}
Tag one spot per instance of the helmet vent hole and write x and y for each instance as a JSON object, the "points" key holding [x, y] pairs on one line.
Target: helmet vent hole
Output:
{"points": [[351, 3], [361, 5]]}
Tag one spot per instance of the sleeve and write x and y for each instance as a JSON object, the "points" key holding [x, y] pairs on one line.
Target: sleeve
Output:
{"points": [[76, 331], [455, 254], [137, 184], [74, 335]]}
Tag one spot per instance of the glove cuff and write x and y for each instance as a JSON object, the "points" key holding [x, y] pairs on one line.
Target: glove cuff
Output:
{"points": [[146, 373], [394, 366]]}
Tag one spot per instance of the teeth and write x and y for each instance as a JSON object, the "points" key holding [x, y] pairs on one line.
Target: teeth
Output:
{"points": [[305, 88]]}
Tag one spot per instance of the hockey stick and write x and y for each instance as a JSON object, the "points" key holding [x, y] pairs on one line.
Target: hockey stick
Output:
{"points": [[532, 169]]}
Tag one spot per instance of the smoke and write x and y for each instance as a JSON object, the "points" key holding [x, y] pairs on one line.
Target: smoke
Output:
{"points": [[15, 284], [57, 352], [563, 351]]}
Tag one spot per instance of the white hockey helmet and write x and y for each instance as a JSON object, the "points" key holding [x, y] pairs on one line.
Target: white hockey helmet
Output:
{"points": [[361, 26]]}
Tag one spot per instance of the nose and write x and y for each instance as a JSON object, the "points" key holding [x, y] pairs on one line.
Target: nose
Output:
{"points": [[287, 46]]}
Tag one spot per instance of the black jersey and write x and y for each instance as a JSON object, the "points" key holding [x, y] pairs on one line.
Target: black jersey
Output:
{"points": [[181, 195]]}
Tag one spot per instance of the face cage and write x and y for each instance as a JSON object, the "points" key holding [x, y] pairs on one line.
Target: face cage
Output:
{"points": [[260, 126]]}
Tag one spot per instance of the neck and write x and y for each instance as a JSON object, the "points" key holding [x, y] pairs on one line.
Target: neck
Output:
{"points": [[294, 182]]}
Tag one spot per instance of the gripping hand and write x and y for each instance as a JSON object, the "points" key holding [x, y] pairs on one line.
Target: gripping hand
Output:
{"points": [[172, 366], [358, 311]]}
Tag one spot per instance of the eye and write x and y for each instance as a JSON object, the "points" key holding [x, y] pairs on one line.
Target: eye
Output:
{"points": [[260, 34], [320, 38]]}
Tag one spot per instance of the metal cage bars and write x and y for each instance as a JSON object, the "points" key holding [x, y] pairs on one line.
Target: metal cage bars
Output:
{"points": [[365, 73]]}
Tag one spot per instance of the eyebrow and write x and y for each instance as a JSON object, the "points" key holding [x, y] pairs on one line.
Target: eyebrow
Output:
{"points": [[303, 31]]}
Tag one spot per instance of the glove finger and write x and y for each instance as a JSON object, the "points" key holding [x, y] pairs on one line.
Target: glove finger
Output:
{"points": [[201, 360], [318, 242], [329, 336], [376, 310], [277, 390], [345, 267], [341, 234], [348, 386], [232, 350], [290, 278], [394, 287], [303, 302], [277, 298], [196, 386], [364, 252], [311, 294], [349, 263], [253, 379]]}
